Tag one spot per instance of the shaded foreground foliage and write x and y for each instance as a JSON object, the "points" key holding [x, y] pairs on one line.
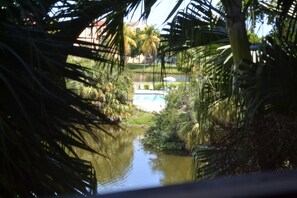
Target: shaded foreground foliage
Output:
{"points": [[245, 112], [42, 122]]}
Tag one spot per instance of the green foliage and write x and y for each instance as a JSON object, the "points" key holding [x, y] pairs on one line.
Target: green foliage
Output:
{"points": [[146, 86], [129, 39], [146, 42], [158, 86], [150, 42], [43, 123], [167, 86], [133, 66], [163, 136], [188, 61], [169, 133], [272, 110], [139, 119], [112, 93], [215, 127], [173, 85], [242, 107], [254, 38]]}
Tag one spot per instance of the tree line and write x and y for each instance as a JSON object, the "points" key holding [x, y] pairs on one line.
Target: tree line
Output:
{"points": [[141, 41]]}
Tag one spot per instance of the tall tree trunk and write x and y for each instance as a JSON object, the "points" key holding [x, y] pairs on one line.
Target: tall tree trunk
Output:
{"points": [[237, 32], [242, 60]]}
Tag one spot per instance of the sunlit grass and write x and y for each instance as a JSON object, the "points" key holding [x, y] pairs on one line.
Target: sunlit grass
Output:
{"points": [[139, 119]]}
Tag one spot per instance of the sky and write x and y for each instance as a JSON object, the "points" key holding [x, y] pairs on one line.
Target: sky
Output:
{"points": [[161, 10]]}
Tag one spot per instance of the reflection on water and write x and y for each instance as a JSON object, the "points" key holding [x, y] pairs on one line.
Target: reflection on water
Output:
{"points": [[157, 77], [175, 169], [130, 166]]}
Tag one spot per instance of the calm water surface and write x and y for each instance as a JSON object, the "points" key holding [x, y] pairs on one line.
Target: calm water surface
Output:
{"points": [[131, 166], [157, 77]]}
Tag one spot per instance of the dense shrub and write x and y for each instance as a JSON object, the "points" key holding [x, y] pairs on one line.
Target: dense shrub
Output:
{"points": [[146, 86], [169, 132], [113, 93], [158, 86]]}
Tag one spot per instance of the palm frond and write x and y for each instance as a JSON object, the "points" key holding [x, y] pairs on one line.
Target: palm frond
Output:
{"points": [[219, 109], [196, 26], [42, 122], [286, 19]]}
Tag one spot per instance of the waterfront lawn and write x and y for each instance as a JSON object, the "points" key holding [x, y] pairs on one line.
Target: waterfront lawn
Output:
{"points": [[139, 119]]}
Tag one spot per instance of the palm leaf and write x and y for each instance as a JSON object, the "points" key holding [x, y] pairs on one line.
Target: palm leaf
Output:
{"points": [[42, 122], [219, 108], [196, 26]]}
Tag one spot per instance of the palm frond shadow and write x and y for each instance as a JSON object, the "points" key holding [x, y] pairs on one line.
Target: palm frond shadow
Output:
{"points": [[42, 121]]}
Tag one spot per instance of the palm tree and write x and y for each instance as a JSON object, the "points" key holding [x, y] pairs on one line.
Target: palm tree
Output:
{"points": [[150, 40], [129, 36], [129, 41], [237, 33], [42, 121], [254, 94]]}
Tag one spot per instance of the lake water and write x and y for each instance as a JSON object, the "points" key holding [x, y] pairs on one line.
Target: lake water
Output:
{"points": [[132, 166], [157, 77], [129, 165]]}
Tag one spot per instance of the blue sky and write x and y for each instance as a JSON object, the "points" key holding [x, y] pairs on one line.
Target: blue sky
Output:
{"points": [[161, 10]]}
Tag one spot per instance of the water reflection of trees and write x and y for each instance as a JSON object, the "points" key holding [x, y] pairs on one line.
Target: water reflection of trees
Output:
{"points": [[116, 154], [175, 169], [119, 150], [156, 77]]}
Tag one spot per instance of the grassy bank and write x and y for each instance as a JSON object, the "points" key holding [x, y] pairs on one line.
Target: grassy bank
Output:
{"points": [[139, 119]]}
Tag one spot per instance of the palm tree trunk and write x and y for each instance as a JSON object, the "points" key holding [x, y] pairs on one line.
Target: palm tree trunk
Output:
{"points": [[237, 32], [242, 60]]}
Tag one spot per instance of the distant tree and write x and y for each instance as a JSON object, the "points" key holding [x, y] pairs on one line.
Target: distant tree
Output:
{"points": [[150, 41], [188, 61], [129, 39]]}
